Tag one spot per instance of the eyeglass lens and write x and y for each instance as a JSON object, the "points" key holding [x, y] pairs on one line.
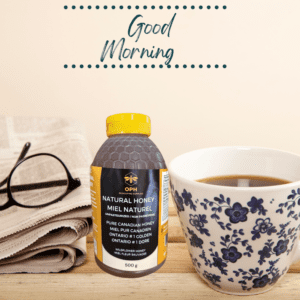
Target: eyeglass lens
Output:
{"points": [[38, 181]]}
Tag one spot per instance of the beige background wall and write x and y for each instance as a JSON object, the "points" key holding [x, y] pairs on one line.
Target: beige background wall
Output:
{"points": [[255, 101]]}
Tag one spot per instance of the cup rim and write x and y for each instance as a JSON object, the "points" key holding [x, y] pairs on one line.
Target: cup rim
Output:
{"points": [[231, 188]]}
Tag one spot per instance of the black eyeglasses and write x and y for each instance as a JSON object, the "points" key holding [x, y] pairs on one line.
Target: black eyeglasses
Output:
{"points": [[37, 181]]}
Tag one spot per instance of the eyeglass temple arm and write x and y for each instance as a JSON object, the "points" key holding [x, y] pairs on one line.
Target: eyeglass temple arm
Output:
{"points": [[21, 156], [41, 185]]}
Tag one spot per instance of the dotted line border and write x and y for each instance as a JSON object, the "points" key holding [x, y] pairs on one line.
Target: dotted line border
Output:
{"points": [[137, 66], [146, 7]]}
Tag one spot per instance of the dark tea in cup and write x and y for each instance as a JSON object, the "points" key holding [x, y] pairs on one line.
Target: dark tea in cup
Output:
{"points": [[243, 180]]}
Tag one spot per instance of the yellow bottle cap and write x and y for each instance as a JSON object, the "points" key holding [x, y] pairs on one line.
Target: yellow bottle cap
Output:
{"points": [[128, 123]]}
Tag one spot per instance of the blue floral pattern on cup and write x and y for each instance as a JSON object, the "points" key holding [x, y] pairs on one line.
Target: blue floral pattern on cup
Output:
{"points": [[198, 221], [262, 226], [232, 247], [237, 213]]}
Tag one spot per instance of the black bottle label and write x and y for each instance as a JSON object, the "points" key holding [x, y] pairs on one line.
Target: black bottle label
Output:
{"points": [[130, 212]]}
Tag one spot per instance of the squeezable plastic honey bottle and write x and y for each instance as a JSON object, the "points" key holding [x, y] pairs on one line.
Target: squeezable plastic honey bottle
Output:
{"points": [[129, 191]]}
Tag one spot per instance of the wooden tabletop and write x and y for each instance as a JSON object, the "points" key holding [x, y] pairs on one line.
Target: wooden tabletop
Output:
{"points": [[177, 279]]}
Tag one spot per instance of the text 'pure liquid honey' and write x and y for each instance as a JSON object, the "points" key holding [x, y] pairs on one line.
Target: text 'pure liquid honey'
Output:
{"points": [[129, 190]]}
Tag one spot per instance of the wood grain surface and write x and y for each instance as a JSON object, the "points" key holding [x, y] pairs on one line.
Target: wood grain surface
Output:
{"points": [[177, 279]]}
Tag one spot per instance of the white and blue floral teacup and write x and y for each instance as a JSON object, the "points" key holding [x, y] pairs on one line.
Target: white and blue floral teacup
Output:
{"points": [[242, 240]]}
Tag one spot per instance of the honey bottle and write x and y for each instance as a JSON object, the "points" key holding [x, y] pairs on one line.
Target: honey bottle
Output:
{"points": [[129, 192]]}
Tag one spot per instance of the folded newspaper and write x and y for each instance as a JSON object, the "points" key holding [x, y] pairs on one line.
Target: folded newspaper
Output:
{"points": [[52, 238]]}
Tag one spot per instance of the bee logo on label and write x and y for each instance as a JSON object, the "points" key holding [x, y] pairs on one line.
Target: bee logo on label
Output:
{"points": [[131, 179]]}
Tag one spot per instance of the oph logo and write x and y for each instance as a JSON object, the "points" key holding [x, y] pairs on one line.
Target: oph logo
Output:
{"points": [[131, 179]]}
